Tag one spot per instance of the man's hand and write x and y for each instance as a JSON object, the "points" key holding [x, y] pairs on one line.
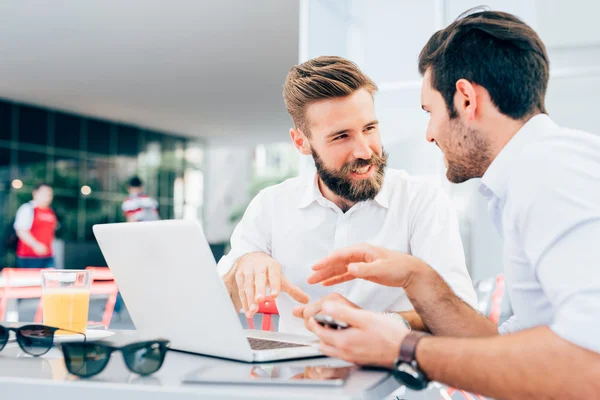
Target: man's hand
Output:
{"points": [[372, 338], [308, 311], [40, 249], [254, 272], [375, 264], [324, 373]]}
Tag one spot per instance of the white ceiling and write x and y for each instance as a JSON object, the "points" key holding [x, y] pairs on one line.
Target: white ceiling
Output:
{"points": [[197, 67]]}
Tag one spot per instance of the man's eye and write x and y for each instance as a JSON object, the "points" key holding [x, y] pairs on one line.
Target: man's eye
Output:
{"points": [[339, 137]]}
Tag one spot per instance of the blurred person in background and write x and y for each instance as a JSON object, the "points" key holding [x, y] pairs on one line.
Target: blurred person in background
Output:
{"points": [[138, 206], [352, 198], [484, 85], [35, 226]]}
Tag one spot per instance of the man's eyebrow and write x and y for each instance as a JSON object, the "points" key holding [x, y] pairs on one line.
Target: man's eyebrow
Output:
{"points": [[338, 133]]}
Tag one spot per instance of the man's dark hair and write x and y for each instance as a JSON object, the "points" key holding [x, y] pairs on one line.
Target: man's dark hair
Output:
{"points": [[135, 182], [495, 50]]}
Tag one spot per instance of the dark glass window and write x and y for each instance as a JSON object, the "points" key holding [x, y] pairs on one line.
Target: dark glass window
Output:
{"points": [[5, 120], [165, 210], [168, 160], [5, 176], [96, 212], [98, 174], [4, 161], [33, 125], [65, 208], [150, 178], [122, 170], [67, 131], [127, 140], [5, 217], [179, 155], [167, 179], [118, 211], [66, 173], [31, 167], [98, 136]]}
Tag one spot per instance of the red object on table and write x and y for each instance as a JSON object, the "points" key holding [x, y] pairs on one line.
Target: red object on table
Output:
{"points": [[267, 308]]}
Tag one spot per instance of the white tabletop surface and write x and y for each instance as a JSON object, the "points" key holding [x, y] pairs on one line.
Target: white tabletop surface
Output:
{"points": [[22, 376]]}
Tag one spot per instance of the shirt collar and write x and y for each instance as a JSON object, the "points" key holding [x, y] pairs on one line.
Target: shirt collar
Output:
{"points": [[495, 178], [383, 197], [312, 193]]}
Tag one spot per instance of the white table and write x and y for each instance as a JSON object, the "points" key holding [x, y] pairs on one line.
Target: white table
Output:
{"points": [[25, 377]]}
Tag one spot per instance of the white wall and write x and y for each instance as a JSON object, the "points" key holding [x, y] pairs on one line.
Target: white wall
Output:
{"points": [[229, 168], [228, 174]]}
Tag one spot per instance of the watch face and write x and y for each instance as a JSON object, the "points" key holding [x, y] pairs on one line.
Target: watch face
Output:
{"points": [[410, 377]]}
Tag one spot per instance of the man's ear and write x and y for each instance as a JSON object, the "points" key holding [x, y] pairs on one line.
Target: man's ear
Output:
{"points": [[300, 141], [466, 100]]}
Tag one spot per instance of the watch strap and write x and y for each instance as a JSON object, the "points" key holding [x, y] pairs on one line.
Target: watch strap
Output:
{"points": [[408, 348]]}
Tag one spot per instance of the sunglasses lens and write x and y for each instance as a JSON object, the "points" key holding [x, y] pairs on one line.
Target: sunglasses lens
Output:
{"points": [[35, 339], [3, 337], [85, 359], [145, 358]]}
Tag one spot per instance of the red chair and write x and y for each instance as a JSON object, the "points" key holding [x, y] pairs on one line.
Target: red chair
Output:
{"points": [[267, 308], [497, 296], [21, 284], [465, 395], [490, 292], [103, 282]]}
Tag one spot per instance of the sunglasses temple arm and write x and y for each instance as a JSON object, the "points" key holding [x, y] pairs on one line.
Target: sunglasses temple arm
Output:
{"points": [[79, 333]]}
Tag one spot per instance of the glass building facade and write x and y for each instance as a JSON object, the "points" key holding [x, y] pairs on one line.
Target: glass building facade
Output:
{"points": [[88, 162]]}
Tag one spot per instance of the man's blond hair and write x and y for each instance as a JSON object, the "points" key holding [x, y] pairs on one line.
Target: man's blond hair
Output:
{"points": [[321, 78]]}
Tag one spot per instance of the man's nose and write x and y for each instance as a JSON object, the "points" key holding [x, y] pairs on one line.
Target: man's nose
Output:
{"points": [[362, 149]]}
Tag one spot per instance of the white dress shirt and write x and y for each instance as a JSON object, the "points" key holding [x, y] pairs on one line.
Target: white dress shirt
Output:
{"points": [[297, 226], [543, 192]]}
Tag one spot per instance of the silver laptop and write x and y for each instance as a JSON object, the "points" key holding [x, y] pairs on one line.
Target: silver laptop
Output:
{"points": [[168, 278]]}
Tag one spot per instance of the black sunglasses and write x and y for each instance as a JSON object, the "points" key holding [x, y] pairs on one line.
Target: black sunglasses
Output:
{"points": [[35, 340], [89, 359]]}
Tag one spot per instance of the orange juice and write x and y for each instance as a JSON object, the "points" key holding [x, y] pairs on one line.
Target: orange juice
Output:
{"points": [[66, 308]]}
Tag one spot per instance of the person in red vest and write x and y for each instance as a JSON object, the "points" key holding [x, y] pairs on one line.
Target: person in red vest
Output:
{"points": [[35, 224]]}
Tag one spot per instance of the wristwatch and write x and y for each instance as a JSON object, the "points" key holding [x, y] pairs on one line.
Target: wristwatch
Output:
{"points": [[406, 369]]}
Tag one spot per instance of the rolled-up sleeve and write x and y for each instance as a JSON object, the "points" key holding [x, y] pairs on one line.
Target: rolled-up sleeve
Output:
{"points": [[568, 274], [253, 232], [436, 240]]}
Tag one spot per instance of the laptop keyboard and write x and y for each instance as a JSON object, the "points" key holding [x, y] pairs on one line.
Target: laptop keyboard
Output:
{"points": [[262, 344]]}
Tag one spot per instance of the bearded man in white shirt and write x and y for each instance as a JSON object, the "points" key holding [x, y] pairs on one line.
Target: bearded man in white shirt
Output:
{"points": [[353, 198]]}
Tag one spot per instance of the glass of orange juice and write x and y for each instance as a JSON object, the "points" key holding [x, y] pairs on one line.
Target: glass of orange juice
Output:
{"points": [[66, 299]]}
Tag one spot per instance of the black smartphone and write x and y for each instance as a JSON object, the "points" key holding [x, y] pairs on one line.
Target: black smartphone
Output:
{"points": [[328, 322]]}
